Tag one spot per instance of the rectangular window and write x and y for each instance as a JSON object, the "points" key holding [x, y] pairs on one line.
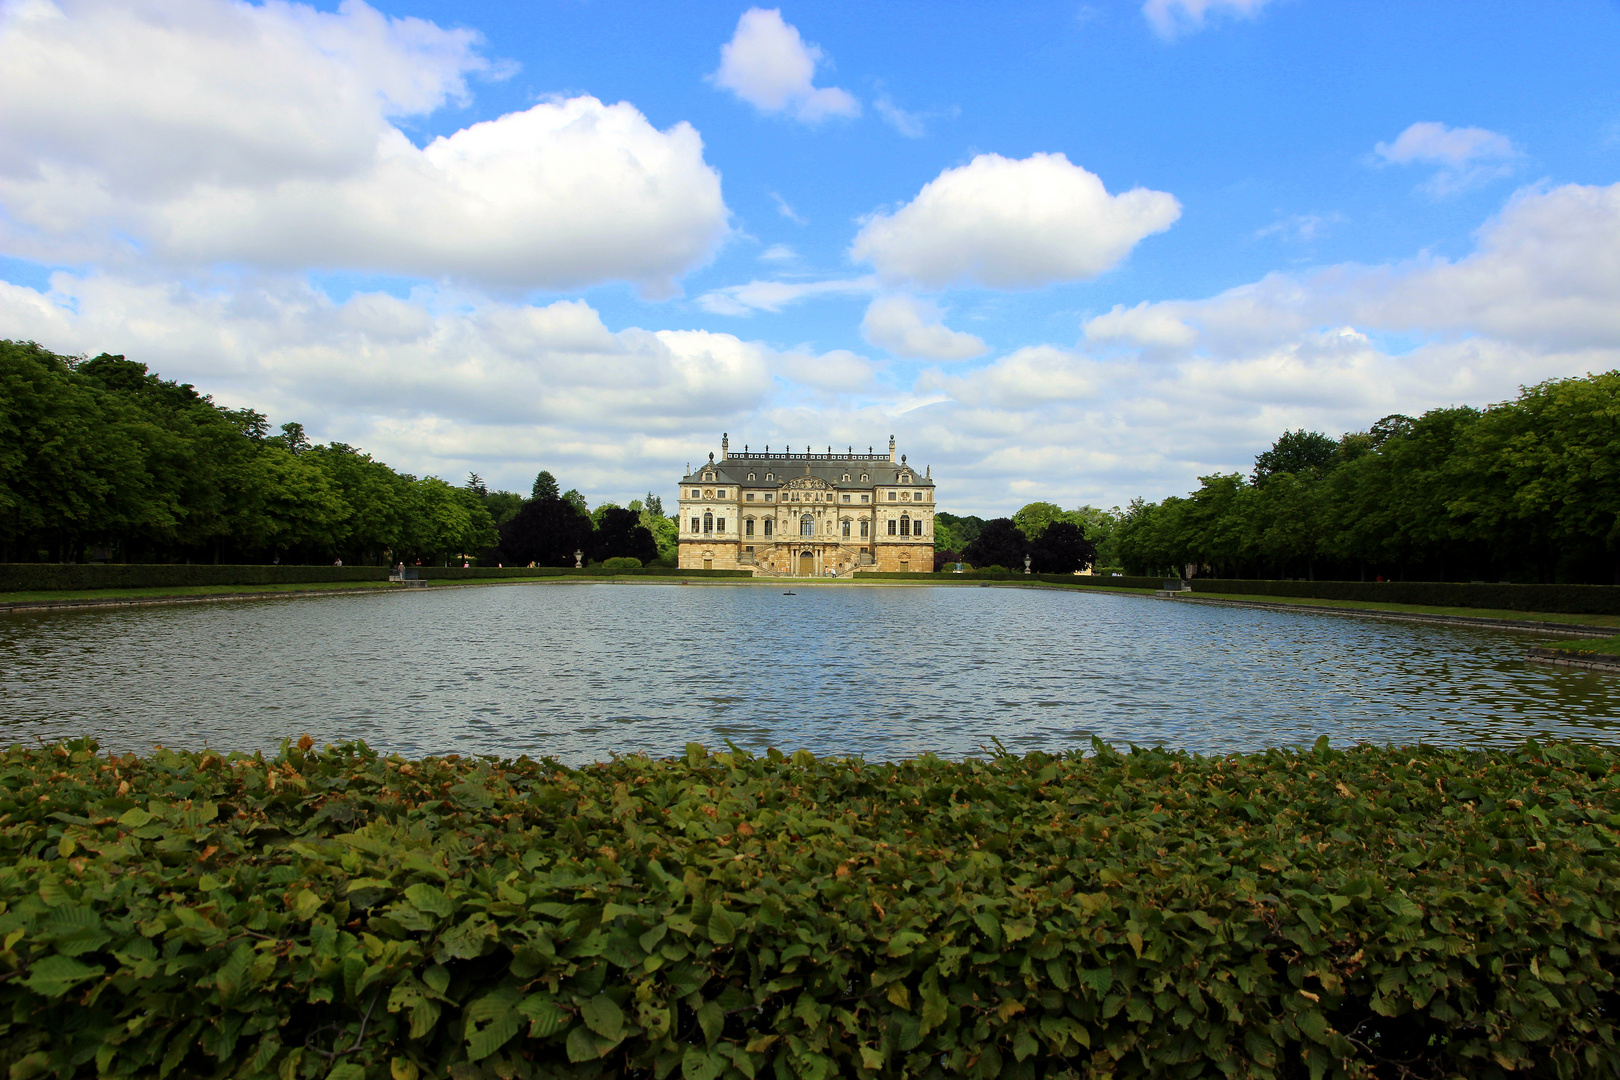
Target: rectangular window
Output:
{"points": [[893, 496], [892, 527], [750, 496], [846, 498], [696, 525], [769, 496], [719, 524], [696, 494], [864, 525], [721, 493], [767, 526], [905, 526], [866, 498], [748, 527]]}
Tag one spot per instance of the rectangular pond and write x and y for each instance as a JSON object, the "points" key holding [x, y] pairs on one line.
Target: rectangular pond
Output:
{"points": [[584, 671]]}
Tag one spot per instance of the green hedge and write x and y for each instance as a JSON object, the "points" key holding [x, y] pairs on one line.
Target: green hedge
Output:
{"points": [[1567, 599], [1375, 912], [459, 573], [1091, 580], [50, 577]]}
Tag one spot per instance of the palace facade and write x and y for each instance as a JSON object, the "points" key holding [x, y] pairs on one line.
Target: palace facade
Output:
{"points": [[807, 515]]}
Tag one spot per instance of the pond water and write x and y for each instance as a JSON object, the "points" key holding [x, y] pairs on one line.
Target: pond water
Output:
{"points": [[585, 671]]}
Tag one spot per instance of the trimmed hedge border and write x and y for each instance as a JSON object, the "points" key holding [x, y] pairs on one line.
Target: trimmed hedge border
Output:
{"points": [[1082, 580], [468, 573], [1364, 913], [52, 577], [1565, 599]]}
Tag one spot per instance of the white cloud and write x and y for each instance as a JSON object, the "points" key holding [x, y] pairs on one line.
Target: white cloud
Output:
{"points": [[787, 211], [838, 371], [1465, 156], [1302, 228], [1172, 18], [779, 253], [1011, 224], [767, 64], [203, 131], [1142, 326], [912, 328], [775, 295], [909, 124]]}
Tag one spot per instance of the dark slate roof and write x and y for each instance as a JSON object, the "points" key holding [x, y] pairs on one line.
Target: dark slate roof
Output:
{"points": [[829, 468]]}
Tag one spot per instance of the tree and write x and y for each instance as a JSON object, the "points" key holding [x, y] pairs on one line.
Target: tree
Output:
{"points": [[596, 515], [576, 500], [546, 532], [503, 505], [476, 485], [620, 534], [653, 504], [1062, 549], [999, 543], [1036, 517], [965, 529], [545, 486], [1296, 452]]}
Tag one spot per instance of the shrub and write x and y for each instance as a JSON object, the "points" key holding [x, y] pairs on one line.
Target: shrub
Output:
{"points": [[50, 577], [1568, 599], [622, 562], [1415, 912]]}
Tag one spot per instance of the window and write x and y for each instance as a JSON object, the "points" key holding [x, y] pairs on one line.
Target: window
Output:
{"points": [[905, 479], [767, 526], [846, 530], [696, 494], [846, 498], [695, 525], [892, 526], [708, 523], [768, 476], [916, 527], [721, 493], [750, 496], [893, 496], [905, 525], [768, 495], [708, 478], [750, 476], [720, 525], [807, 526], [864, 478], [748, 527], [866, 498], [864, 527], [846, 478]]}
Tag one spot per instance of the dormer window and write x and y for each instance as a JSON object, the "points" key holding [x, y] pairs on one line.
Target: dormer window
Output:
{"points": [[904, 479], [768, 476], [846, 478], [864, 478], [750, 476]]}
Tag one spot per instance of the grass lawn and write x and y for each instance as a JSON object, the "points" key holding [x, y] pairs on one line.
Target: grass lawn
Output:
{"points": [[1419, 609], [181, 590], [1600, 645]]}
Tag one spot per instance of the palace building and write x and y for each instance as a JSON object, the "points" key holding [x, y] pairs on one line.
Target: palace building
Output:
{"points": [[807, 515]]}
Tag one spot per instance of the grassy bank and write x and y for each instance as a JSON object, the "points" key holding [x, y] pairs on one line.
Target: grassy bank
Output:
{"points": [[1376, 912], [1419, 609]]}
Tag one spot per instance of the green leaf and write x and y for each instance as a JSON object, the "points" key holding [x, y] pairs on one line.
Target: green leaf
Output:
{"points": [[545, 1015], [134, 818], [1024, 1044], [490, 1022], [430, 899], [348, 1070], [56, 975], [712, 1019], [700, 1064], [722, 928], [586, 1045], [603, 1016], [305, 905], [233, 973], [1313, 1025]]}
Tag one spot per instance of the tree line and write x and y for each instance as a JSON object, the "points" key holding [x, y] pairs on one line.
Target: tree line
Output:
{"points": [[103, 460], [1526, 490]]}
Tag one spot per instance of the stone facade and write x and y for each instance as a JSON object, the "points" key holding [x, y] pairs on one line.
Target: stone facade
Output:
{"points": [[807, 515]]}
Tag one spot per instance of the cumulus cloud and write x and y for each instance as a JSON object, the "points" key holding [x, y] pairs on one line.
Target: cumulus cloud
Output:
{"points": [[913, 329], [1465, 156], [1172, 18], [1143, 326], [838, 371], [767, 64], [202, 131], [1011, 224]]}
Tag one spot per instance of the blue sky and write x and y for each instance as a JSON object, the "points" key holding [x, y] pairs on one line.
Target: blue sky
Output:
{"points": [[1071, 251]]}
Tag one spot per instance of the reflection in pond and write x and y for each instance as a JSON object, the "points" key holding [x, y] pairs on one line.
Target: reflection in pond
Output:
{"points": [[586, 671]]}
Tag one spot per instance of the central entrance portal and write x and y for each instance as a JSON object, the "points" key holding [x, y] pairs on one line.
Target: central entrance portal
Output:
{"points": [[807, 564]]}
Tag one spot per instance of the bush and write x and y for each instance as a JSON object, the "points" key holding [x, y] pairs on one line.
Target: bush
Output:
{"points": [[1401, 911], [996, 573], [51, 577], [474, 573], [621, 562], [1567, 599]]}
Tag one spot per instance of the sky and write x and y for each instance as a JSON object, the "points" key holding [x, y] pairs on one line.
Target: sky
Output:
{"points": [[1080, 252]]}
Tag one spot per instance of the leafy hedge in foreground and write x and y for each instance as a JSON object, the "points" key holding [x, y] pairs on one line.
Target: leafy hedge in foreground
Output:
{"points": [[1078, 580], [1376, 912], [1568, 599]]}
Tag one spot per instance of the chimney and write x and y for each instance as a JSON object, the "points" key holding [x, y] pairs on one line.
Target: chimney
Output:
{"points": [[725, 446], [891, 447]]}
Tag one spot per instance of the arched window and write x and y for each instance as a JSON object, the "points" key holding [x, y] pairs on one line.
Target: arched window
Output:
{"points": [[768, 476], [807, 526], [767, 526], [750, 476], [864, 525], [708, 523], [893, 525], [864, 478], [846, 530], [748, 527], [846, 478], [905, 525]]}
